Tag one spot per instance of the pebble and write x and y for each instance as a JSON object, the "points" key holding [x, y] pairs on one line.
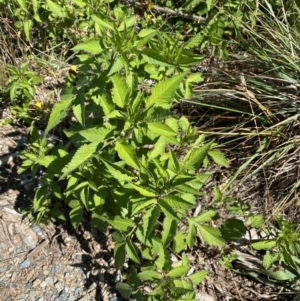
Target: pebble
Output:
{"points": [[43, 284], [62, 296], [49, 281], [36, 282], [36, 229], [67, 275], [28, 285], [46, 272], [25, 264], [55, 269], [58, 286], [3, 269]]}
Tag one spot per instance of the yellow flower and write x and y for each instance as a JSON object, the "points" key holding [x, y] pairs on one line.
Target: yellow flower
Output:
{"points": [[149, 5], [38, 105], [74, 69]]}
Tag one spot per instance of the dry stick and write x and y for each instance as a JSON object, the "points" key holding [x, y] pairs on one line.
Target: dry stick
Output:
{"points": [[169, 11]]}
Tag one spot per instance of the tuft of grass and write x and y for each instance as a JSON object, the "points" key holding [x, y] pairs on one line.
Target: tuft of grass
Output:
{"points": [[251, 103]]}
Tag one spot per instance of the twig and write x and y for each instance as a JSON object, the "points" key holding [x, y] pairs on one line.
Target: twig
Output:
{"points": [[169, 11]]}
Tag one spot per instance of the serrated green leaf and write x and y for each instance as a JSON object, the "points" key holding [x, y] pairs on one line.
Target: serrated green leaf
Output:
{"points": [[133, 277], [269, 259], [117, 172], [129, 22], [211, 235], [264, 245], [145, 32], [74, 203], [169, 230], [83, 153], [178, 202], [184, 259], [132, 251], [194, 41], [57, 10], [218, 157], [189, 189], [233, 229], [256, 220], [179, 242], [120, 223], [76, 216], [119, 91], [141, 204], [175, 166], [85, 197], [163, 93], [152, 56], [105, 102], [149, 275], [90, 46], [205, 216], [58, 112], [124, 289], [191, 236], [159, 148], [118, 237], [195, 157], [168, 210], [127, 153], [101, 20], [45, 160], [150, 219], [115, 114], [141, 237], [198, 277], [95, 133], [116, 66], [120, 255], [144, 191], [23, 5], [160, 170], [164, 260], [194, 78], [184, 123], [161, 129], [178, 272], [27, 28]]}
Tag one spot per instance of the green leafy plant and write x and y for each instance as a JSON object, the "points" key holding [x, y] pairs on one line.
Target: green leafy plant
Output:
{"points": [[282, 247], [128, 161], [281, 244], [21, 85], [128, 167]]}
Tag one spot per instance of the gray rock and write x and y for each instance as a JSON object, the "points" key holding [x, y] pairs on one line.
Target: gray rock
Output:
{"points": [[55, 269], [49, 281], [25, 264]]}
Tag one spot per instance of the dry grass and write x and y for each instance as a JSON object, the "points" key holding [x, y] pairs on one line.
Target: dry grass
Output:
{"points": [[251, 104]]}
